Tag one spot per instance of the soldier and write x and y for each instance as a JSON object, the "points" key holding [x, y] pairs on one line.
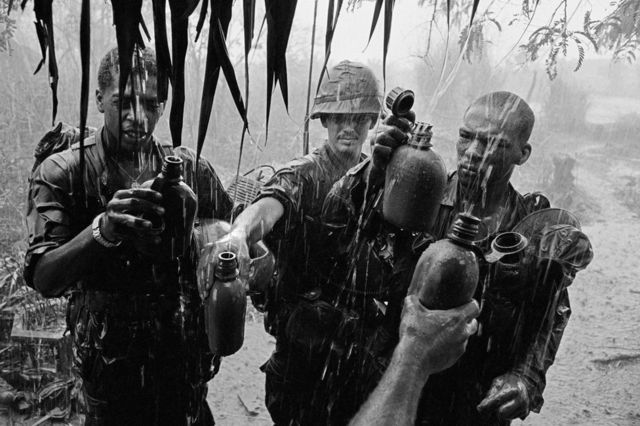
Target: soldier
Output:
{"points": [[521, 324], [287, 210], [137, 324]]}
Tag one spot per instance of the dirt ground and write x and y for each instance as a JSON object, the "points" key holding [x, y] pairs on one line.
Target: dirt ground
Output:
{"points": [[596, 377]]}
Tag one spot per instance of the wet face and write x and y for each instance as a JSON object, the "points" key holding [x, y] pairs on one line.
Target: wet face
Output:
{"points": [[489, 147], [140, 113], [347, 132]]}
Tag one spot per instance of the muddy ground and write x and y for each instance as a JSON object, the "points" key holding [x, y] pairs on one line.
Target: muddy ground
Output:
{"points": [[596, 377]]}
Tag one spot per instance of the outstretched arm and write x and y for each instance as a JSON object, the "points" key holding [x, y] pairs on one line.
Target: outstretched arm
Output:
{"points": [[257, 220], [430, 341]]}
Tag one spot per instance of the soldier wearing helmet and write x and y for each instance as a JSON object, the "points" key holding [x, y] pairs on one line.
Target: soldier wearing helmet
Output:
{"points": [[287, 212]]}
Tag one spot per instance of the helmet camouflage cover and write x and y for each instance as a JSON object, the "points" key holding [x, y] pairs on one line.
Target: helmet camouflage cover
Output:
{"points": [[348, 88]]}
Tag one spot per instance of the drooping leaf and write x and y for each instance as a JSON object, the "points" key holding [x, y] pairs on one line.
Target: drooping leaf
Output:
{"points": [[179, 42], [202, 18], [145, 30], [227, 68], [163, 56], [332, 22], [189, 7], [279, 21], [580, 56], [126, 17], [474, 9], [249, 17], [85, 60], [376, 15], [388, 15], [44, 28], [219, 18]]}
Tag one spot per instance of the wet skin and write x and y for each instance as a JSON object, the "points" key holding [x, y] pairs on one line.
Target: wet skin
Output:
{"points": [[140, 113], [489, 147], [347, 133]]}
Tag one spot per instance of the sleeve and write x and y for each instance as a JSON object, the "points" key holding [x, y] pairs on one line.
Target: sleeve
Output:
{"points": [[564, 251], [542, 351], [289, 186], [213, 200], [49, 211]]}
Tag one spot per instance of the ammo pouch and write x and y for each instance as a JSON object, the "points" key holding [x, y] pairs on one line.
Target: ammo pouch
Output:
{"points": [[315, 326]]}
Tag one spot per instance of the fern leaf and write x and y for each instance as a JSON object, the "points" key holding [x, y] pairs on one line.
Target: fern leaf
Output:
{"points": [[580, 56]]}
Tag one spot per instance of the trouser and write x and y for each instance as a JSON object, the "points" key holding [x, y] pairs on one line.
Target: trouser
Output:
{"points": [[303, 391], [137, 364]]}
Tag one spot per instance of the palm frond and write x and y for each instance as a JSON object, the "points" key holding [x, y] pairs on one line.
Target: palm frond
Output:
{"points": [[219, 18], [279, 21], [85, 60], [180, 12], [162, 49], [44, 28]]}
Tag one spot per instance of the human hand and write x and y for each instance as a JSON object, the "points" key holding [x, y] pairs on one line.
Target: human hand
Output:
{"points": [[508, 397], [236, 242], [393, 133], [436, 339], [123, 219]]}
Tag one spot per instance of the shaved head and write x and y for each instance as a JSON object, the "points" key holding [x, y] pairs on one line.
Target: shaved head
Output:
{"points": [[510, 112]]}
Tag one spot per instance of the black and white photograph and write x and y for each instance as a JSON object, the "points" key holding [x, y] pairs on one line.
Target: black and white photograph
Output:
{"points": [[319, 212]]}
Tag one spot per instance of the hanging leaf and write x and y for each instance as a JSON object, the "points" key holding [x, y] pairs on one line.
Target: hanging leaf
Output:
{"points": [[249, 17], [376, 15], [220, 17], [332, 22], [85, 60], [179, 42], [227, 68], [162, 49], [388, 15], [474, 9], [44, 29], [202, 18], [279, 21], [126, 17]]}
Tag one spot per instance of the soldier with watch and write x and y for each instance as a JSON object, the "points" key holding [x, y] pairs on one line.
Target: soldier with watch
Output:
{"points": [[137, 324]]}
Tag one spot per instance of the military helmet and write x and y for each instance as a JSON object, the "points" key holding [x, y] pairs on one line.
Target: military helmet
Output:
{"points": [[348, 88]]}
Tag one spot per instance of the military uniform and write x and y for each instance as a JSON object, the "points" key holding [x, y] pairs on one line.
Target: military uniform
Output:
{"points": [[137, 326], [521, 326], [295, 366], [298, 309]]}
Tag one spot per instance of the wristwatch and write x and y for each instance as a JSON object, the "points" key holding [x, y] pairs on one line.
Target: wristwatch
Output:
{"points": [[97, 235]]}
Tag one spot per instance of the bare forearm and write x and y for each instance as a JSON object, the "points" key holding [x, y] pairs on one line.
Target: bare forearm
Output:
{"points": [[395, 400], [258, 219], [61, 267]]}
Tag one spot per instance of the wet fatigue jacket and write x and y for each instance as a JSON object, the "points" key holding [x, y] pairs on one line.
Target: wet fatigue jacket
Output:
{"points": [[296, 312], [138, 333], [521, 326]]}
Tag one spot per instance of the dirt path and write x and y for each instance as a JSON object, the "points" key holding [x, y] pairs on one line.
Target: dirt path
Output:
{"points": [[596, 377]]}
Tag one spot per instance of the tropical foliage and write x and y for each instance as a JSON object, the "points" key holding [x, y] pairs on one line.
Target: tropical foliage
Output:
{"points": [[618, 32]]}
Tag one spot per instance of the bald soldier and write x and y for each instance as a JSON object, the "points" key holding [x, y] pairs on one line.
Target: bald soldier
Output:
{"points": [[502, 374]]}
